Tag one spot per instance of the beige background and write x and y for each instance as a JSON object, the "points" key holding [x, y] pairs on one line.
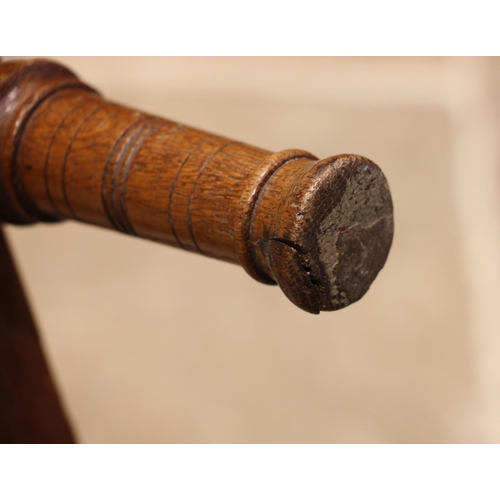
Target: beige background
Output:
{"points": [[151, 344]]}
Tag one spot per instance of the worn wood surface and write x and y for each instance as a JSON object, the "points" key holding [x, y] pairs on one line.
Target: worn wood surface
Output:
{"points": [[322, 229], [30, 411]]}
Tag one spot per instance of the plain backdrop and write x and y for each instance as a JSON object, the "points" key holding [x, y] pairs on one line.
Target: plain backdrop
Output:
{"points": [[153, 344]]}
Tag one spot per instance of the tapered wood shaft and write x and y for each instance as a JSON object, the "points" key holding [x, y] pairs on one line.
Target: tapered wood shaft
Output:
{"points": [[320, 229]]}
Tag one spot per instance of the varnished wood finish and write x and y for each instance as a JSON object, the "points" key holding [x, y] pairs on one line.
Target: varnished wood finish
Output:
{"points": [[320, 229], [30, 411]]}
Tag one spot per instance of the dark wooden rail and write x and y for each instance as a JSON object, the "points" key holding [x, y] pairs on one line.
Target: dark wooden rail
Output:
{"points": [[320, 229], [30, 410]]}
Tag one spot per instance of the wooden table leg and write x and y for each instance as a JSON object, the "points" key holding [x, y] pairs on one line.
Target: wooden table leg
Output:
{"points": [[30, 410]]}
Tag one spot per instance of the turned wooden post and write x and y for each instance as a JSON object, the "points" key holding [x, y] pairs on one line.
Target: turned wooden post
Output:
{"points": [[320, 229]]}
